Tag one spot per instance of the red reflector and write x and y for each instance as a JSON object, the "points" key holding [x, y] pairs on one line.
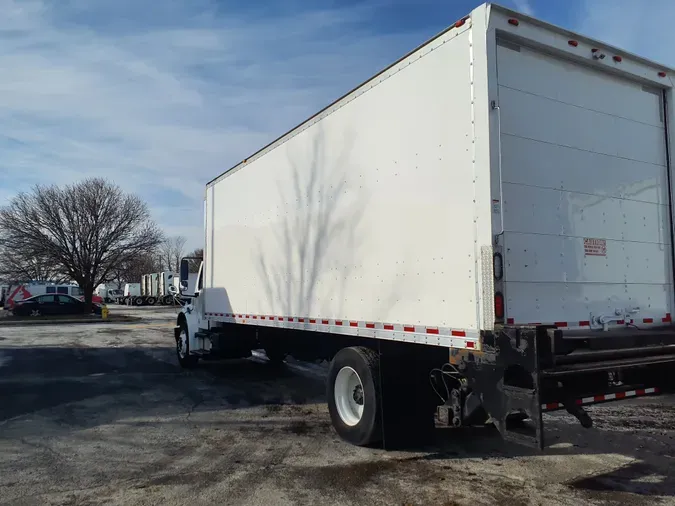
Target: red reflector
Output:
{"points": [[458, 333], [432, 331], [325, 322], [499, 306], [584, 323], [511, 321], [598, 398], [338, 322], [617, 58], [667, 318], [353, 324], [388, 327], [312, 321], [561, 324], [640, 392], [409, 329], [470, 344], [370, 325], [301, 320], [280, 318], [513, 22], [573, 43], [621, 395], [648, 320], [621, 322], [662, 74]]}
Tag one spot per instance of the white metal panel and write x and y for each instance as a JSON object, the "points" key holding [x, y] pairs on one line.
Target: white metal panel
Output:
{"points": [[583, 156], [366, 214], [572, 303], [548, 121], [576, 171]]}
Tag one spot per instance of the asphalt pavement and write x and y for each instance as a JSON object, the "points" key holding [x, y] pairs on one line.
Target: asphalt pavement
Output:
{"points": [[101, 414]]}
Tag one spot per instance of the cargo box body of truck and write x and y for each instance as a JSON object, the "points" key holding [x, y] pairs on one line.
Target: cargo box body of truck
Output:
{"points": [[492, 212]]}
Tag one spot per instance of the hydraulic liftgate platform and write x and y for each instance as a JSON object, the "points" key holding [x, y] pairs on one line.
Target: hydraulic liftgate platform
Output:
{"points": [[525, 371]]}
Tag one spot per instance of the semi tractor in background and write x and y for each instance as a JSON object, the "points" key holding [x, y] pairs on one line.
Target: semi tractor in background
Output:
{"points": [[482, 232], [159, 288]]}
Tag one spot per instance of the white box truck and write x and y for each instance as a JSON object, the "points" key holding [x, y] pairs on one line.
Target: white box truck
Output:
{"points": [[481, 231]]}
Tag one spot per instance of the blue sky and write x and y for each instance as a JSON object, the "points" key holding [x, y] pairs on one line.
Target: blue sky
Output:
{"points": [[162, 96]]}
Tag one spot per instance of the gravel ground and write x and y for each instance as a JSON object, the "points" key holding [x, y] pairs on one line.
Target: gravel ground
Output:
{"points": [[101, 414]]}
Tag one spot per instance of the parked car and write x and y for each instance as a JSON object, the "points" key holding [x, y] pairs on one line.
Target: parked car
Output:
{"points": [[52, 304]]}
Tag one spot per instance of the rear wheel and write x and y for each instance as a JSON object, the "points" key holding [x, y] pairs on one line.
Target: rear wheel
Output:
{"points": [[138, 301], [35, 312], [151, 301], [354, 399]]}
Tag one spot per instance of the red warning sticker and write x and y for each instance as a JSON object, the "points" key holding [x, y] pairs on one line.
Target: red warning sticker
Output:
{"points": [[595, 247]]}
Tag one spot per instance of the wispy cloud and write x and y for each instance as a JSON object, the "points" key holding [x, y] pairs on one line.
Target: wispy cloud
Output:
{"points": [[163, 96], [644, 28], [161, 99], [524, 6]]}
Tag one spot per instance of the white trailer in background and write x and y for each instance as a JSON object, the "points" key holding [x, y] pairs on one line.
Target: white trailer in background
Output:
{"points": [[482, 231]]}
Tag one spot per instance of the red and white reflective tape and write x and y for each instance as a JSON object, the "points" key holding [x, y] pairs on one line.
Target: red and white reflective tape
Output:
{"points": [[441, 336], [586, 324], [551, 406]]}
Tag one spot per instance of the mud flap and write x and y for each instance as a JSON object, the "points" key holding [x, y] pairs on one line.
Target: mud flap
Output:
{"points": [[407, 403]]}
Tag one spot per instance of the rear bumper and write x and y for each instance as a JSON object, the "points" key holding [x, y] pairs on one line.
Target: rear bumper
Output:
{"points": [[532, 370]]}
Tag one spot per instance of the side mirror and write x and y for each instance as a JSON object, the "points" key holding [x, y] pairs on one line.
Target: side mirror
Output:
{"points": [[184, 272]]}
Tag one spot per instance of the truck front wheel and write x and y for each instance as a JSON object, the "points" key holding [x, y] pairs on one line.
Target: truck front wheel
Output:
{"points": [[353, 393], [185, 360]]}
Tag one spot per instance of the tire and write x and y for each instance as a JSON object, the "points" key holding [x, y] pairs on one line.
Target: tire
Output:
{"points": [[138, 301], [151, 301], [185, 360], [35, 313], [354, 398], [168, 300]]}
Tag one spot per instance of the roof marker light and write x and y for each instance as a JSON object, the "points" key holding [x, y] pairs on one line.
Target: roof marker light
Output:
{"points": [[573, 43], [662, 74], [617, 58], [514, 22], [461, 22]]}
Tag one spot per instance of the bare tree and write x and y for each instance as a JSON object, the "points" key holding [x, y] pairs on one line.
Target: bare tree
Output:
{"points": [[194, 264], [84, 229], [144, 263], [178, 250], [15, 267], [131, 270], [170, 253]]}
